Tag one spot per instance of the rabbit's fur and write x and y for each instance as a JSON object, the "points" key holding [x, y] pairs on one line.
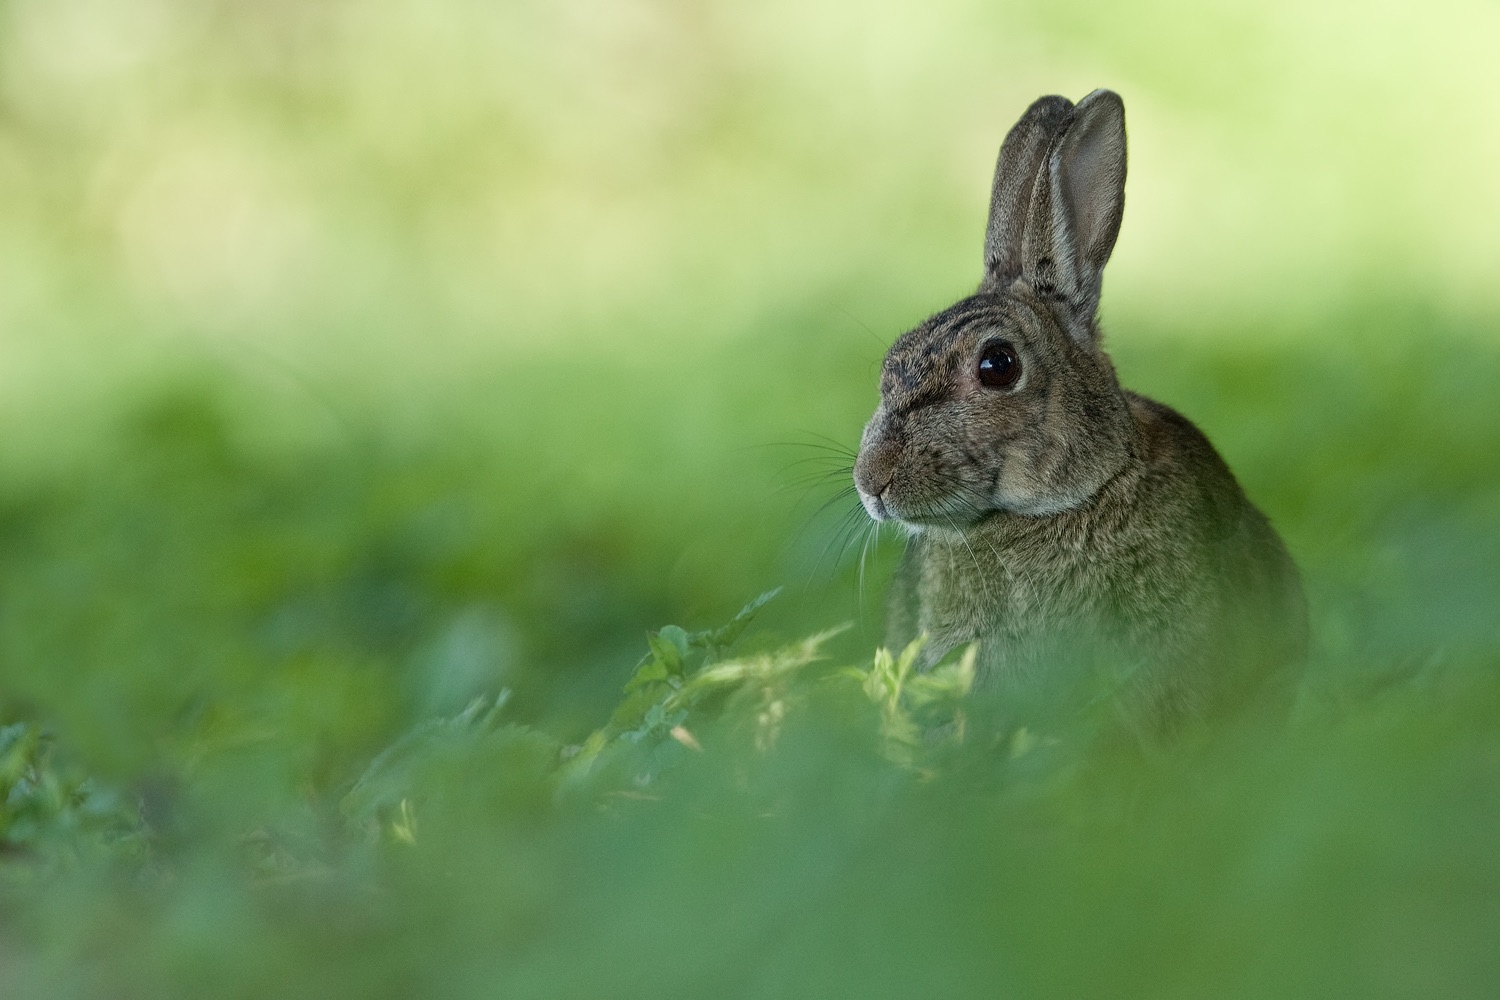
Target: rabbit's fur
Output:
{"points": [[1063, 507]]}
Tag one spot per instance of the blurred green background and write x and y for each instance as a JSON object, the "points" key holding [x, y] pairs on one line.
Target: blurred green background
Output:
{"points": [[360, 358]]}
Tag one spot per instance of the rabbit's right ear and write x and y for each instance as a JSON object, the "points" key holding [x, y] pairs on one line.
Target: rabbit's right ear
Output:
{"points": [[1075, 210], [1022, 156]]}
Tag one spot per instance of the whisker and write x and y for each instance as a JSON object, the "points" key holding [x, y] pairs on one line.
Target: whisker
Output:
{"points": [[842, 494], [833, 444], [850, 537], [820, 469], [865, 326], [826, 444], [849, 522], [809, 483], [872, 535], [842, 460]]}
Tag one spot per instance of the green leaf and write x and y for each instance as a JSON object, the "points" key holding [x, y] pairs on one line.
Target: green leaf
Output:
{"points": [[678, 638], [722, 638], [665, 651], [652, 670], [950, 680], [630, 711]]}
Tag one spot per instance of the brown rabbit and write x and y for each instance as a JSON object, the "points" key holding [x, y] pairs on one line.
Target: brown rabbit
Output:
{"points": [[1044, 503]]}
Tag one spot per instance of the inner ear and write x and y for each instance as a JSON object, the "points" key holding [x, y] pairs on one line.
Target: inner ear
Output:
{"points": [[1076, 209], [1091, 178]]}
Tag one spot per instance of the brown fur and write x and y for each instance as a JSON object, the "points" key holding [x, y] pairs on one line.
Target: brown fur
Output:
{"points": [[1065, 508]]}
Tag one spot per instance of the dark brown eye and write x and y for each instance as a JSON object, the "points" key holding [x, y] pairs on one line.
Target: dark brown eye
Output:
{"points": [[999, 367]]}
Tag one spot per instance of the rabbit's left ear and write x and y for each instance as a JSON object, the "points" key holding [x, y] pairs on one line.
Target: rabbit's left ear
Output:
{"points": [[1076, 208], [1022, 156]]}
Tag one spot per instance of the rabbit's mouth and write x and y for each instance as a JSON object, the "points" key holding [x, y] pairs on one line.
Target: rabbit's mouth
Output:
{"points": [[918, 515], [875, 506]]}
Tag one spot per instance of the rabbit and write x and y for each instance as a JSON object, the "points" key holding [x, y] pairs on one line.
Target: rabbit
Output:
{"points": [[1044, 504]]}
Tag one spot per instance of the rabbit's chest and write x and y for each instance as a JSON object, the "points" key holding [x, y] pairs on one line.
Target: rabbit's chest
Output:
{"points": [[1008, 595]]}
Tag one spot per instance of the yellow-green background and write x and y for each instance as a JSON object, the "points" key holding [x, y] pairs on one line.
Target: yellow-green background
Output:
{"points": [[356, 357]]}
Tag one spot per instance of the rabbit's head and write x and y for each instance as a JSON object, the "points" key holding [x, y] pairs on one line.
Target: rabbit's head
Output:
{"points": [[1005, 401]]}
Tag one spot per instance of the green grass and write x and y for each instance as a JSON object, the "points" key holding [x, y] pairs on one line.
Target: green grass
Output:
{"points": [[235, 642]]}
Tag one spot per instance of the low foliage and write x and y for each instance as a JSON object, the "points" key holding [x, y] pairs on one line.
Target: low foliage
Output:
{"points": [[769, 824]]}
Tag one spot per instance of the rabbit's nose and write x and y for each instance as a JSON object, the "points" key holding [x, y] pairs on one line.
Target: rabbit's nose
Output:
{"points": [[873, 472]]}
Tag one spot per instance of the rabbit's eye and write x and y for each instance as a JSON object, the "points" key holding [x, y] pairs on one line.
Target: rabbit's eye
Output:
{"points": [[999, 367]]}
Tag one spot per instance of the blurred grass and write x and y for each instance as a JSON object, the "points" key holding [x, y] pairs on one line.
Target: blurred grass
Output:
{"points": [[360, 359]]}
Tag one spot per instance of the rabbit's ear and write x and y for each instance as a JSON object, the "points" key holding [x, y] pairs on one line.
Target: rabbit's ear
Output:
{"points": [[1021, 158], [1076, 207]]}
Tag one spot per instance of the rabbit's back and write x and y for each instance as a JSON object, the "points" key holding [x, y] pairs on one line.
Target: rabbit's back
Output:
{"points": [[1243, 587]]}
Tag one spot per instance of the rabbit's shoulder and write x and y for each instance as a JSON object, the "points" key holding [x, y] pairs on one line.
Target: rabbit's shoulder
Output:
{"points": [[1185, 471]]}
